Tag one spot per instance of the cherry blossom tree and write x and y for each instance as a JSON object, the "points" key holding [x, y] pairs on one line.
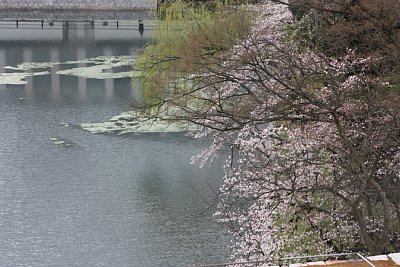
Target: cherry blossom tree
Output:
{"points": [[314, 142]]}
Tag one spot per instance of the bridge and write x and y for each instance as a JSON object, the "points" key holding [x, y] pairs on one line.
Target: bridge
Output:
{"points": [[78, 4]]}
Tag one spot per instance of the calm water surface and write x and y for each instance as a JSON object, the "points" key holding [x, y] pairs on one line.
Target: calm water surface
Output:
{"points": [[108, 200]]}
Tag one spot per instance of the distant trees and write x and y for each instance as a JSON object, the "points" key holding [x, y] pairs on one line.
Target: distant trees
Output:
{"points": [[310, 110]]}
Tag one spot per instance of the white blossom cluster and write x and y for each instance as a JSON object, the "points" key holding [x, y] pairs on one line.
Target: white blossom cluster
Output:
{"points": [[313, 153]]}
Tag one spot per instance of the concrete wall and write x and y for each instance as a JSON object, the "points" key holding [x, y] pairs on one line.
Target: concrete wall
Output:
{"points": [[79, 4]]}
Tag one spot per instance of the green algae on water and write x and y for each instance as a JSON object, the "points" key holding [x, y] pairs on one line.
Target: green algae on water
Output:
{"points": [[101, 68], [128, 122], [59, 142], [18, 78]]}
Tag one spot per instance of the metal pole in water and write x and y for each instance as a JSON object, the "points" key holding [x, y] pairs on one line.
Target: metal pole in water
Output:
{"points": [[141, 27]]}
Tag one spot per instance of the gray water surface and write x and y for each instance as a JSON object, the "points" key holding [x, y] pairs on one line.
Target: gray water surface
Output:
{"points": [[107, 200]]}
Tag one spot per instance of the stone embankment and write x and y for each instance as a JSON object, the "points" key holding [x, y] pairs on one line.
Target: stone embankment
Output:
{"points": [[78, 4]]}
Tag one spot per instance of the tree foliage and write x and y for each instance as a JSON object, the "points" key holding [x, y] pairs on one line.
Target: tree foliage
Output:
{"points": [[313, 127]]}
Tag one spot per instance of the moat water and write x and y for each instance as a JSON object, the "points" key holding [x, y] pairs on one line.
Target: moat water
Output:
{"points": [[107, 199]]}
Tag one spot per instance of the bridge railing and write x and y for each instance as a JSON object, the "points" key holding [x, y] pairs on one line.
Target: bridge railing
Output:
{"points": [[112, 24], [355, 258]]}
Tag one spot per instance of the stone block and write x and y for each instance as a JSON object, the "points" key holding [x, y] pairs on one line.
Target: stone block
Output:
{"points": [[378, 258], [395, 257], [315, 263]]}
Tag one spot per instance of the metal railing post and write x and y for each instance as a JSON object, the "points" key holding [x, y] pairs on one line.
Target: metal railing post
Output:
{"points": [[356, 260], [365, 259]]}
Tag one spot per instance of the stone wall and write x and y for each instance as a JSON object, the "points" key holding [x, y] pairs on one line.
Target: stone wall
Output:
{"points": [[79, 4]]}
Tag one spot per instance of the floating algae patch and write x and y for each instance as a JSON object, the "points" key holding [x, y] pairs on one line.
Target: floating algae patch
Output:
{"points": [[12, 68], [32, 65], [95, 72], [101, 67], [17, 78], [59, 142], [105, 60], [128, 122], [94, 60]]}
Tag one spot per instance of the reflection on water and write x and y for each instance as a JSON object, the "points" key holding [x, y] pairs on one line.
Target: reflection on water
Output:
{"points": [[59, 43], [106, 200]]}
